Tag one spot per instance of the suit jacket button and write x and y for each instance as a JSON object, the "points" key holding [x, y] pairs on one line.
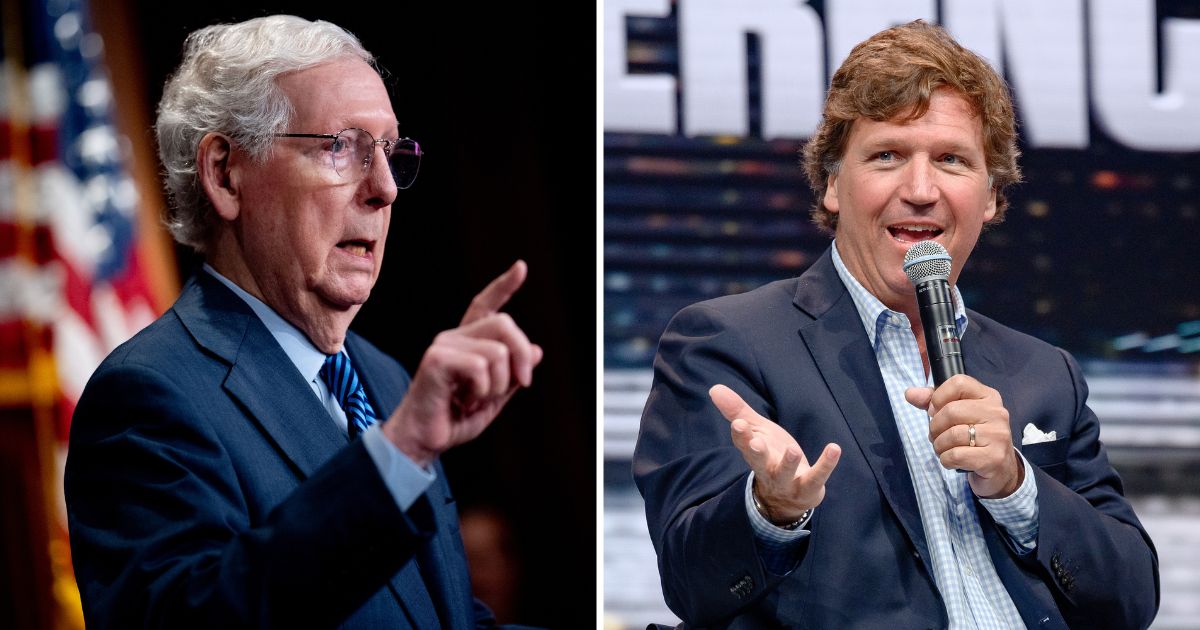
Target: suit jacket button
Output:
{"points": [[742, 587]]}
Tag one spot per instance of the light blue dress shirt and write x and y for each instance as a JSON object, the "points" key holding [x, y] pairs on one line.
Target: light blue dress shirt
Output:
{"points": [[403, 478], [963, 571]]}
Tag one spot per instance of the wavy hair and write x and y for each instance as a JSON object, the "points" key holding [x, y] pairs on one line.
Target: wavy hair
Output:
{"points": [[226, 84], [892, 76]]}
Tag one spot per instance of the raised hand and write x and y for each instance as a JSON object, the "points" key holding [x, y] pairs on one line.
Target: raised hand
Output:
{"points": [[784, 482], [466, 376]]}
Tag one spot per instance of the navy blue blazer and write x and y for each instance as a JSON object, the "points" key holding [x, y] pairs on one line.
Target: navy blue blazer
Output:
{"points": [[796, 351], [207, 487]]}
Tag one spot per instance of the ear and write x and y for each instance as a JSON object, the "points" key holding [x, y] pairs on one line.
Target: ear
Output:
{"points": [[215, 168], [831, 196]]}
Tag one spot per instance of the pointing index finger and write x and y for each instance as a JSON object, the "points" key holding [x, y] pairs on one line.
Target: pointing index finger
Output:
{"points": [[497, 293]]}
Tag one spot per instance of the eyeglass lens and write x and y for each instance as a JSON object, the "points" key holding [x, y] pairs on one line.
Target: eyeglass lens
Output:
{"points": [[405, 161], [357, 147]]}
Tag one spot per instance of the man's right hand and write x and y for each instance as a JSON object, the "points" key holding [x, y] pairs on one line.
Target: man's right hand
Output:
{"points": [[785, 484], [466, 376]]}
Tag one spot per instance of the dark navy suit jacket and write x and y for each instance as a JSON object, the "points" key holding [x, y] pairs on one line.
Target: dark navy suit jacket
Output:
{"points": [[208, 488], [796, 351]]}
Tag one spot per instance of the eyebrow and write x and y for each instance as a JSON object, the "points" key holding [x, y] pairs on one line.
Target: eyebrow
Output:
{"points": [[883, 143], [345, 123]]}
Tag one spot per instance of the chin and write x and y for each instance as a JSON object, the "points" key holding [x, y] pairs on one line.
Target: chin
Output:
{"points": [[343, 300]]}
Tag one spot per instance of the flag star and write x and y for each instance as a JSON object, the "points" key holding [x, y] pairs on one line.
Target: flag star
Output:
{"points": [[96, 95], [68, 29], [98, 146]]}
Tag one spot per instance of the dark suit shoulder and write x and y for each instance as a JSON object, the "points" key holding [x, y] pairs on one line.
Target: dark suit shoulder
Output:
{"points": [[207, 323], [755, 309], [151, 341], [1011, 340]]}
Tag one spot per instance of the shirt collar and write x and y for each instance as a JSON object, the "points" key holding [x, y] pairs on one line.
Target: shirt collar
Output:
{"points": [[304, 355], [875, 315]]}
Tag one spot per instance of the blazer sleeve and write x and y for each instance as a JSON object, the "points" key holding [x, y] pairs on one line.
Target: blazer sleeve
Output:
{"points": [[1092, 551], [162, 533], [693, 478]]}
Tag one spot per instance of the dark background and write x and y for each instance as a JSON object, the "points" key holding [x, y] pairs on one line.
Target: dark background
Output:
{"points": [[502, 98]]}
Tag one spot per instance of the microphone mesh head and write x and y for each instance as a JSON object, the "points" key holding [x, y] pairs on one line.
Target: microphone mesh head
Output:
{"points": [[926, 260]]}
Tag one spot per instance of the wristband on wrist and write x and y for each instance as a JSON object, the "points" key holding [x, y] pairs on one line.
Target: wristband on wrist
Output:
{"points": [[762, 509]]}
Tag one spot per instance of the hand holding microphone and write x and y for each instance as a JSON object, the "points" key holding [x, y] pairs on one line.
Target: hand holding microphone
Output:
{"points": [[969, 425]]}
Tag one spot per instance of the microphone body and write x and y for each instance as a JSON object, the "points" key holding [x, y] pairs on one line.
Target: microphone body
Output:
{"points": [[928, 267], [941, 332]]}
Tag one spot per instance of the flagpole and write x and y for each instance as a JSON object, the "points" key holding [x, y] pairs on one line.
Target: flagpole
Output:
{"points": [[116, 26]]}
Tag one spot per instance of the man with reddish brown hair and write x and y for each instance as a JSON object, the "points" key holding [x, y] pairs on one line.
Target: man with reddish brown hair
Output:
{"points": [[985, 503], [871, 84]]}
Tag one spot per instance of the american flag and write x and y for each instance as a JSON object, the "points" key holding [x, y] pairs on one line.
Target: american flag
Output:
{"points": [[72, 284]]}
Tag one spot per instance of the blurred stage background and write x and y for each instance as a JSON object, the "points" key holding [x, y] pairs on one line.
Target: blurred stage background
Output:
{"points": [[509, 173], [706, 106]]}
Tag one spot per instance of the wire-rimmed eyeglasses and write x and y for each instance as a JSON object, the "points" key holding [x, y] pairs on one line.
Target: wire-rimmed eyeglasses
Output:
{"points": [[351, 151]]}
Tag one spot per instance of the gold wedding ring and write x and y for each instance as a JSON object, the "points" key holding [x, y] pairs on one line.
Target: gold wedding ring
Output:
{"points": [[971, 435]]}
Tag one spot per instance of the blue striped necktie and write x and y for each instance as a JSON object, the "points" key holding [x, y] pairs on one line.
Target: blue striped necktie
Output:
{"points": [[343, 383]]}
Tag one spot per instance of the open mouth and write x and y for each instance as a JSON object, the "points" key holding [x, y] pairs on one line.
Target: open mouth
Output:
{"points": [[914, 233], [356, 248]]}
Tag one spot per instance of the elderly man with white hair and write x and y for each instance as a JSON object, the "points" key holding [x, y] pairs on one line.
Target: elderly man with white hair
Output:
{"points": [[245, 461]]}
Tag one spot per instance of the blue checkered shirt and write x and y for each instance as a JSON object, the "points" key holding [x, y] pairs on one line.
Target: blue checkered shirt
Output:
{"points": [[962, 568]]}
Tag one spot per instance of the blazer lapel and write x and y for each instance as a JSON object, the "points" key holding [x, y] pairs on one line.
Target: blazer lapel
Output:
{"points": [[276, 397], [261, 376], [384, 383], [983, 362], [842, 351]]}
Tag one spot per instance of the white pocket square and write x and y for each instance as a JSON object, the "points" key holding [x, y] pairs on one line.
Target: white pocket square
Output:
{"points": [[1034, 435]]}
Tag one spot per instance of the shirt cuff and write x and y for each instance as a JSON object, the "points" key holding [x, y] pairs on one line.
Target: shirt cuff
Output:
{"points": [[404, 478], [1017, 513], [777, 546]]}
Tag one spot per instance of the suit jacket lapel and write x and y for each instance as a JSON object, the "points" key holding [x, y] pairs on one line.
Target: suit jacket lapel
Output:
{"points": [[842, 351], [384, 390], [983, 362], [276, 396], [261, 376]]}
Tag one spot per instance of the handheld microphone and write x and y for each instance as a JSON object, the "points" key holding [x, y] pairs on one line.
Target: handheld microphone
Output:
{"points": [[927, 265]]}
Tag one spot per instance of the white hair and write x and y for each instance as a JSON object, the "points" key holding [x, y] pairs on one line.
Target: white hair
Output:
{"points": [[226, 84]]}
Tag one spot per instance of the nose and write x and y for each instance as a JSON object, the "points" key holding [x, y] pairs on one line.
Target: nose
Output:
{"points": [[378, 183], [920, 186]]}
